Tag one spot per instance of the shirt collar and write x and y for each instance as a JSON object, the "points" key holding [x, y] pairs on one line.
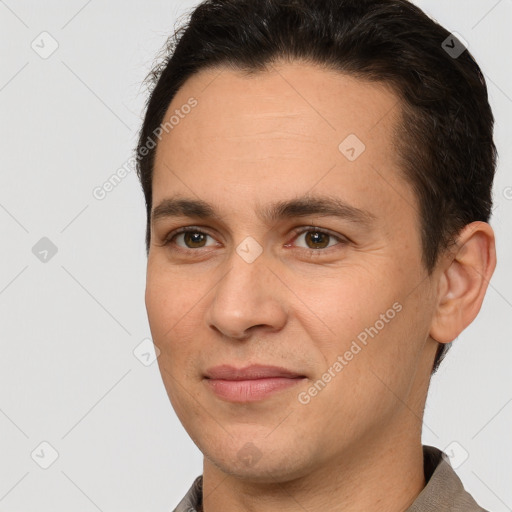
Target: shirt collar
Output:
{"points": [[444, 491]]}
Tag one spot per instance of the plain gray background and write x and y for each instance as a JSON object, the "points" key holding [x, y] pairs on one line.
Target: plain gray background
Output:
{"points": [[73, 323]]}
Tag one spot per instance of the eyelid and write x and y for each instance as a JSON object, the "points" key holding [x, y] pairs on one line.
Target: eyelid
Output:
{"points": [[186, 229], [305, 229]]}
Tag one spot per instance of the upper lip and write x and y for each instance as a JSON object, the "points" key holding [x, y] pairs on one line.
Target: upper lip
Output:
{"points": [[255, 371]]}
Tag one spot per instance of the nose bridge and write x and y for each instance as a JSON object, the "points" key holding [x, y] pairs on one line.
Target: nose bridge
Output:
{"points": [[245, 297]]}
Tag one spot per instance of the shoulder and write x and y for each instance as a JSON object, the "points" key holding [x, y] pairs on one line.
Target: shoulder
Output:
{"points": [[193, 499], [444, 491]]}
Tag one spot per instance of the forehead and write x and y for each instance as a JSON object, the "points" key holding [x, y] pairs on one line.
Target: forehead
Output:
{"points": [[286, 131]]}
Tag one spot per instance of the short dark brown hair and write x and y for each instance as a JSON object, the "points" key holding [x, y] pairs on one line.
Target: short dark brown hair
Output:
{"points": [[445, 134]]}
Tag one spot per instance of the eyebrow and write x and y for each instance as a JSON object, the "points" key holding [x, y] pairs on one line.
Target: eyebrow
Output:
{"points": [[325, 206]]}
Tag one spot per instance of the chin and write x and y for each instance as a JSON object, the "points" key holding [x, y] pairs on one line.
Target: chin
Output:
{"points": [[261, 461]]}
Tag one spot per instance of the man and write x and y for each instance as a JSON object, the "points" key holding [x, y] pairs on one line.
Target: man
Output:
{"points": [[318, 184]]}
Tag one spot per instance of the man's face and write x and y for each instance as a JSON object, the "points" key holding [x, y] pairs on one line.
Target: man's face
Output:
{"points": [[343, 302]]}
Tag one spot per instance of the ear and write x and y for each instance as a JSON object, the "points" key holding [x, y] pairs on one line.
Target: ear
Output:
{"points": [[468, 267]]}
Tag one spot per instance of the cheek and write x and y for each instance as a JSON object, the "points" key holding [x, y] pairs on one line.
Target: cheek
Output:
{"points": [[172, 332], [170, 309], [172, 297], [343, 303], [370, 321], [373, 364]]}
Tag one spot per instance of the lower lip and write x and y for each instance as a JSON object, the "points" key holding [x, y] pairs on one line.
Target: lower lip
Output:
{"points": [[250, 390]]}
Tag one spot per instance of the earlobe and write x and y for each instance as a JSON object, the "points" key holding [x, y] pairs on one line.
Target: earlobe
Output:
{"points": [[464, 281]]}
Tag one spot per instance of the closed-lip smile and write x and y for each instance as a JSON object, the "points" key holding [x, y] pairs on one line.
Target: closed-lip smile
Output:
{"points": [[251, 383]]}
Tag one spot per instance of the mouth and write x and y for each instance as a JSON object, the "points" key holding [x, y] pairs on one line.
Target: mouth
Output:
{"points": [[250, 384]]}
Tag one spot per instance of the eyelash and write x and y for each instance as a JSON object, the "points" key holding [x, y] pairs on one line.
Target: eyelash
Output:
{"points": [[192, 229]]}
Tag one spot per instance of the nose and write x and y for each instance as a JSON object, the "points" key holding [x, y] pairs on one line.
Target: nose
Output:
{"points": [[247, 298]]}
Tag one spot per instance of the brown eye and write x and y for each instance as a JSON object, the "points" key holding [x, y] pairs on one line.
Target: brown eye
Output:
{"points": [[192, 238], [316, 239]]}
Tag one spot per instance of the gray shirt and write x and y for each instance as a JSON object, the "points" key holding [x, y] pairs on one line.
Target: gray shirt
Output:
{"points": [[443, 492]]}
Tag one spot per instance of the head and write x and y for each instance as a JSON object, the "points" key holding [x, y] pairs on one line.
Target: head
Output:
{"points": [[264, 117]]}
